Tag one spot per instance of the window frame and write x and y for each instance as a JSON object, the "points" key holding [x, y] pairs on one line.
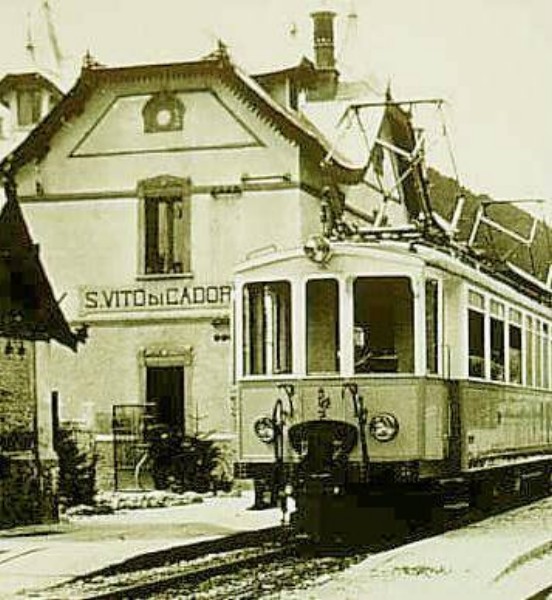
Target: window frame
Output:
{"points": [[341, 325], [165, 188], [270, 345], [35, 99]]}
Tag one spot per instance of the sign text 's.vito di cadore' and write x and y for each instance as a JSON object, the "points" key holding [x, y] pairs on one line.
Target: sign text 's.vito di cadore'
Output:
{"points": [[142, 298]]}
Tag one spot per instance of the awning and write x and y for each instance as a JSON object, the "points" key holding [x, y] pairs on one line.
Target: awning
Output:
{"points": [[28, 308]]}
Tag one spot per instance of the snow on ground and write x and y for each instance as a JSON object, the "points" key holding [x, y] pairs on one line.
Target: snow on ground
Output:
{"points": [[507, 557]]}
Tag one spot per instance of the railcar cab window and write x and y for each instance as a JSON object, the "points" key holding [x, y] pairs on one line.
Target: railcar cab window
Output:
{"points": [[383, 325], [322, 314], [476, 328], [267, 328]]}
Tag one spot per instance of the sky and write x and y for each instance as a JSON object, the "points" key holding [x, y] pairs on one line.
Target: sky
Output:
{"points": [[491, 60]]}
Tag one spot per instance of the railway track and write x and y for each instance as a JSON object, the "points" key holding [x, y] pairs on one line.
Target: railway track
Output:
{"points": [[246, 571], [246, 566]]}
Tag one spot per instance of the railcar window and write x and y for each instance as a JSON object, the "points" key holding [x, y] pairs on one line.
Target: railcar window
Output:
{"points": [[514, 346], [384, 325], [497, 341], [515, 354], [538, 354], [476, 325], [529, 350], [432, 332], [267, 328], [322, 326], [545, 356]]}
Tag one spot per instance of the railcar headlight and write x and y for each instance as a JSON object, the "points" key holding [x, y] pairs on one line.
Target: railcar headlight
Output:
{"points": [[264, 429], [384, 427], [317, 248]]}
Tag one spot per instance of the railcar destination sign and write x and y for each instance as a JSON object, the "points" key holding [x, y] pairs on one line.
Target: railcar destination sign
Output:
{"points": [[166, 297]]}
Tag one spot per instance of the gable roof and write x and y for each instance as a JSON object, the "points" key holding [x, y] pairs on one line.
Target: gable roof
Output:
{"points": [[287, 122], [28, 309]]}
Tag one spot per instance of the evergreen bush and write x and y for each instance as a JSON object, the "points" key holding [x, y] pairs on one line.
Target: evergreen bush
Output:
{"points": [[77, 471]]}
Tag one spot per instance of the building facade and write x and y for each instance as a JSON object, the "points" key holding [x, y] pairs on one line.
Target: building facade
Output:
{"points": [[146, 185]]}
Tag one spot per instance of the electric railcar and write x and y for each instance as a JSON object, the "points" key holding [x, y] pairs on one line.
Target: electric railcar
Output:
{"points": [[369, 372]]}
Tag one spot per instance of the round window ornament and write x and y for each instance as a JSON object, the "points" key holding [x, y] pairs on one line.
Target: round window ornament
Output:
{"points": [[264, 429], [384, 427], [163, 117]]}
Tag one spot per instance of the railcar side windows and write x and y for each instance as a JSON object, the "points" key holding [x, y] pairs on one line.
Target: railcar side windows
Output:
{"points": [[507, 345], [384, 325], [322, 326], [267, 328]]}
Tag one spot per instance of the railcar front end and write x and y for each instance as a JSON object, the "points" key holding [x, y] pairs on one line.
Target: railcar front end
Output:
{"points": [[358, 387]]}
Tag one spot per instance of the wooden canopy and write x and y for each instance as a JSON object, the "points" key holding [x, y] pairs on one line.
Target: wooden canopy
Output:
{"points": [[28, 308]]}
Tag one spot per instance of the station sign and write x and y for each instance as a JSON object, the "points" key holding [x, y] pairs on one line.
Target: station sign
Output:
{"points": [[161, 297]]}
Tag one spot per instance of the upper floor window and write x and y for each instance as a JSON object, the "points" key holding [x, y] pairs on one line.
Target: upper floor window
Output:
{"points": [[166, 225], [29, 105]]}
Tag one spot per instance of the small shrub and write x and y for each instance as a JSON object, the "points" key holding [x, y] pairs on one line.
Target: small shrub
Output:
{"points": [[187, 463], [77, 471]]}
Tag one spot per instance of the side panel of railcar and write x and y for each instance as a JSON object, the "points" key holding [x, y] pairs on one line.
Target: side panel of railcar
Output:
{"points": [[501, 423]]}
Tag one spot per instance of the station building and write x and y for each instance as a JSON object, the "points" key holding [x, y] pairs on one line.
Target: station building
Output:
{"points": [[146, 185]]}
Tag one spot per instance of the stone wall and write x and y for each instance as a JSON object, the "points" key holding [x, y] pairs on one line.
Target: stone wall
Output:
{"points": [[17, 403], [27, 485], [27, 492]]}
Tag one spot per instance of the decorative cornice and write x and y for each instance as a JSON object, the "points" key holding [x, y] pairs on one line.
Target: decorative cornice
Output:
{"points": [[164, 185], [287, 122]]}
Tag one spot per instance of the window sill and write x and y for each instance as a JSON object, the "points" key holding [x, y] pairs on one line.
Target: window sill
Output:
{"points": [[162, 276]]}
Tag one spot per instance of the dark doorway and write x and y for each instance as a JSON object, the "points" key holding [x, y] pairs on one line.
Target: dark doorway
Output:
{"points": [[165, 395]]}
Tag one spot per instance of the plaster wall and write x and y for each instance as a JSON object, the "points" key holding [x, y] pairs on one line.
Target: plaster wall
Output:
{"points": [[81, 201]]}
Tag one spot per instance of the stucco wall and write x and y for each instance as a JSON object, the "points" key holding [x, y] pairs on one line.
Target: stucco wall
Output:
{"points": [[87, 218]]}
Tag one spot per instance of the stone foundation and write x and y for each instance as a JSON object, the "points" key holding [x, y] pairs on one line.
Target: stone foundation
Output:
{"points": [[27, 492]]}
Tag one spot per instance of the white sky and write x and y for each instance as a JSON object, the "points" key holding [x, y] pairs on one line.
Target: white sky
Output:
{"points": [[491, 59]]}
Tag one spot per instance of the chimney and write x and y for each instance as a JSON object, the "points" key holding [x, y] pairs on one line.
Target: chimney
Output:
{"points": [[324, 51], [325, 87]]}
